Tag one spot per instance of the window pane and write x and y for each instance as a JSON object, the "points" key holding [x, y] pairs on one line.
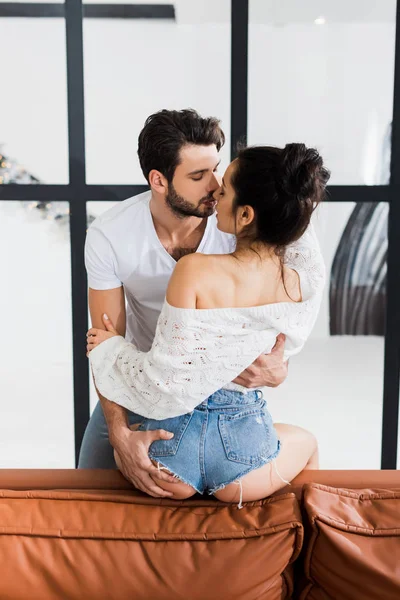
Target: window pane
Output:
{"points": [[36, 382], [136, 67], [33, 99], [335, 385], [328, 85]]}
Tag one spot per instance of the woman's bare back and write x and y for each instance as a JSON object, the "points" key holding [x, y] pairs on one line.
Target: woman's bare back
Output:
{"points": [[227, 282]]}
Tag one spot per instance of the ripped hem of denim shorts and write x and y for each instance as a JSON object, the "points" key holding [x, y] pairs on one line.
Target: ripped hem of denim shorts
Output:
{"points": [[161, 467], [238, 480]]}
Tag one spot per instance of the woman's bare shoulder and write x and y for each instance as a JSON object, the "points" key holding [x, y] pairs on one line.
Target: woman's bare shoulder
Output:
{"points": [[199, 261], [191, 275]]}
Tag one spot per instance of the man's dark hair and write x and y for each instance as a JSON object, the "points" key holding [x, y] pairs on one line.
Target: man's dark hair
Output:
{"points": [[166, 132]]}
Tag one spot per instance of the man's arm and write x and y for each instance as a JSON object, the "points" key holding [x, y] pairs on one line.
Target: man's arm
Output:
{"points": [[132, 446], [268, 370], [112, 303]]}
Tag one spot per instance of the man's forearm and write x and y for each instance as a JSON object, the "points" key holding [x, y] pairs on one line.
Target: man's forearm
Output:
{"points": [[117, 419]]}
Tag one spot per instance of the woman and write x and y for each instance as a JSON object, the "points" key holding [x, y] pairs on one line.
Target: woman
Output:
{"points": [[221, 312]]}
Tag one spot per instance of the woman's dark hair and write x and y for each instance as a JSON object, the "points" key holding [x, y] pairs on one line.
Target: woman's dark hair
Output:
{"points": [[283, 186], [166, 132]]}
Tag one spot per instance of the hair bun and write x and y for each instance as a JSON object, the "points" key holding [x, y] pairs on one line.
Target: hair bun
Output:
{"points": [[302, 174]]}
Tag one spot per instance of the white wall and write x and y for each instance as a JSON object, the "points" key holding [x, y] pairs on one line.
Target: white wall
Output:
{"points": [[36, 385], [134, 69], [331, 87]]}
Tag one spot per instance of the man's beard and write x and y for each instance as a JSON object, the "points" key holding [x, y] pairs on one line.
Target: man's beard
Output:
{"points": [[183, 209]]}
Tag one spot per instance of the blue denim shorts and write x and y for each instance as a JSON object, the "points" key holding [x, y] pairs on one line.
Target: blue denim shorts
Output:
{"points": [[224, 438]]}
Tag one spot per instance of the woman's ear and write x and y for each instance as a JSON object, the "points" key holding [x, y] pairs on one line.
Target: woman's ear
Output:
{"points": [[246, 215], [158, 182]]}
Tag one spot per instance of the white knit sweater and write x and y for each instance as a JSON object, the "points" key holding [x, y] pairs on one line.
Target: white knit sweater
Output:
{"points": [[196, 352]]}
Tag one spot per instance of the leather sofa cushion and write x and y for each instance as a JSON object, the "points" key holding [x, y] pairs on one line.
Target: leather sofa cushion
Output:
{"points": [[88, 545], [353, 548]]}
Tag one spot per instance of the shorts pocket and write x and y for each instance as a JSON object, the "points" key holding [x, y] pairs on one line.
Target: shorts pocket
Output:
{"points": [[176, 425], [248, 436]]}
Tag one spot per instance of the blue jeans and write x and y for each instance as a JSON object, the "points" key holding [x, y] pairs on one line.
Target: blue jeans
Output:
{"points": [[224, 438]]}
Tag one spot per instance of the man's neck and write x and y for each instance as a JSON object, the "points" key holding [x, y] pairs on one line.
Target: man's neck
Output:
{"points": [[174, 231]]}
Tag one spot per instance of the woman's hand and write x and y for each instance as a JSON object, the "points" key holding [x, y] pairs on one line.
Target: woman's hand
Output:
{"points": [[97, 336]]}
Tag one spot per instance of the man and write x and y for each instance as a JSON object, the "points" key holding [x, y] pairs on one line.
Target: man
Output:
{"points": [[131, 251]]}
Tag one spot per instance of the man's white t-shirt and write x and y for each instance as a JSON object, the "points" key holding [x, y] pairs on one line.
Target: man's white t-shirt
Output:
{"points": [[123, 248]]}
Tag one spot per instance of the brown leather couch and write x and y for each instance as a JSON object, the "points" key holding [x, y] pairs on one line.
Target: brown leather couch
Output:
{"points": [[87, 535]]}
